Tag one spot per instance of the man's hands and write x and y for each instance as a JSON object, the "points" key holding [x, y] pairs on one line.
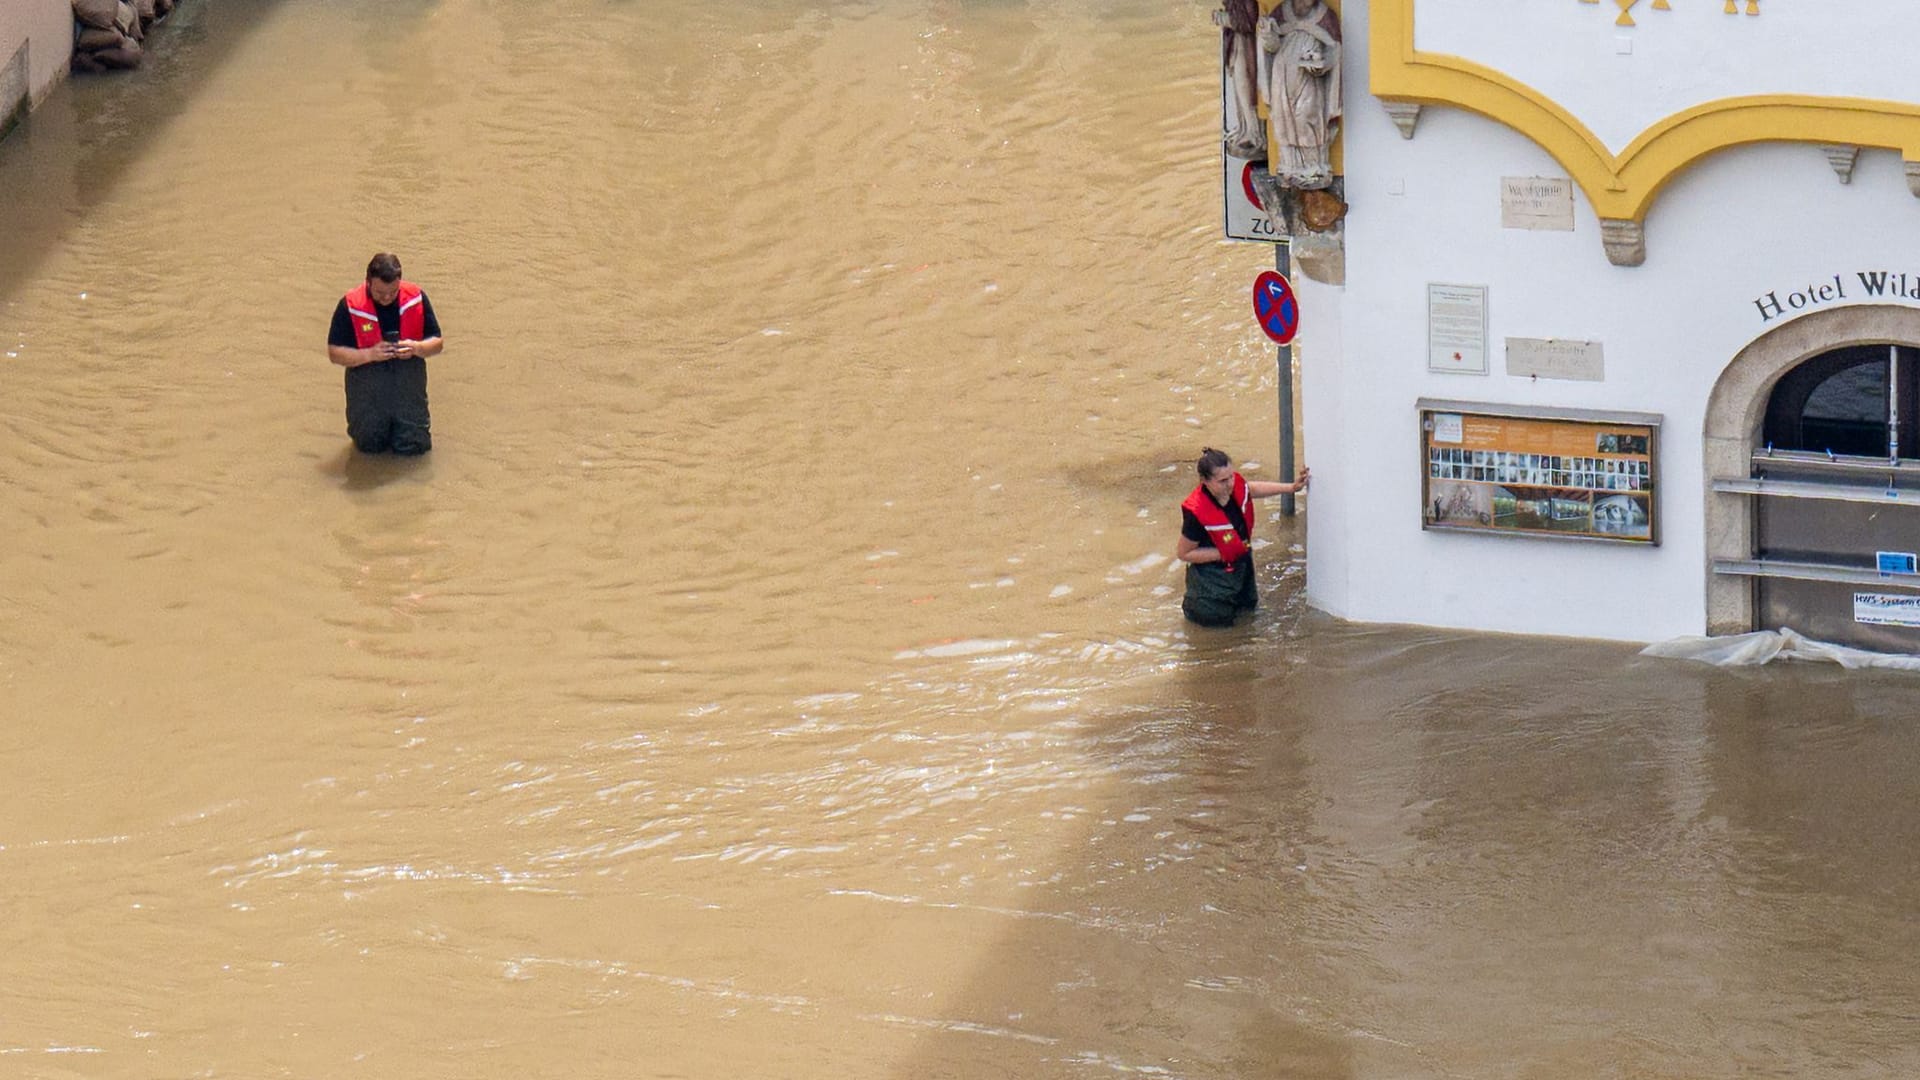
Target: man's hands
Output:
{"points": [[386, 350]]}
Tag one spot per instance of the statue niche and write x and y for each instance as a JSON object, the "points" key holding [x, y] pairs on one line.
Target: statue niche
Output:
{"points": [[1287, 64], [1245, 135], [1300, 66]]}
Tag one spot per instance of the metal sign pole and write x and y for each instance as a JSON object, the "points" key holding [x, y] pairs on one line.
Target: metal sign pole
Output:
{"points": [[1282, 262]]}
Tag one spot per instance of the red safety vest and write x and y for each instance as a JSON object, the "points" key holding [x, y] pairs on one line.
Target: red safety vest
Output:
{"points": [[1213, 518], [366, 325]]}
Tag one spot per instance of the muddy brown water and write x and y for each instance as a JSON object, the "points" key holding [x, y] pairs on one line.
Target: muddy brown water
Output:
{"points": [[776, 668]]}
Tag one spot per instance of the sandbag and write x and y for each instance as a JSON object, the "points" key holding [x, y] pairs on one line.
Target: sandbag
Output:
{"points": [[126, 56], [96, 13], [84, 62], [144, 9], [125, 19], [93, 38]]}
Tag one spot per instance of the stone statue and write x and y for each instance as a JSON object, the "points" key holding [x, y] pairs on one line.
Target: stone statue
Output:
{"points": [[1300, 70], [1245, 134]]}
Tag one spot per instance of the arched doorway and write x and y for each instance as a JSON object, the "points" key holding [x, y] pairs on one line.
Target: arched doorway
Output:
{"points": [[1813, 469]]}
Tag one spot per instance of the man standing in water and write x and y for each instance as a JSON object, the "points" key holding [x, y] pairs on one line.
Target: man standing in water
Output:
{"points": [[382, 333], [1216, 525]]}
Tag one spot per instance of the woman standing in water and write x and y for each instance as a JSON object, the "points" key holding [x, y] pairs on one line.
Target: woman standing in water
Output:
{"points": [[1215, 528]]}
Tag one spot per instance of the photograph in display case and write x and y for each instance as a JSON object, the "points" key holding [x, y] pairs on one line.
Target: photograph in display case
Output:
{"points": [[1552, 473]]}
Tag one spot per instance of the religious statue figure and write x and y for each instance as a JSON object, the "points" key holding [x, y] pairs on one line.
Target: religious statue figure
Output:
{"points": [[1300, 71], [1245, 135]]}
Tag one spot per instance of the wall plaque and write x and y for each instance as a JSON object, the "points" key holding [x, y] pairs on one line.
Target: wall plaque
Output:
{"points": [[1536, 202], [1555, 358], [1457, 328]]}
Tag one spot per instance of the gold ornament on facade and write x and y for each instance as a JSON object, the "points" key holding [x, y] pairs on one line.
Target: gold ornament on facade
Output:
{"points": [[1626, 8], [1321, 210]]}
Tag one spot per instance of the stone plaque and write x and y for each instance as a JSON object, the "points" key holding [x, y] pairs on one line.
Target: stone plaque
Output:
{"points": [[1555, 358], [1536, 202]]}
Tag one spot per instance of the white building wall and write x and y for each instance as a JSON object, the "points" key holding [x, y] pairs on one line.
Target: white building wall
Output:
{"points": [[1740, 225], [1324, 384]]}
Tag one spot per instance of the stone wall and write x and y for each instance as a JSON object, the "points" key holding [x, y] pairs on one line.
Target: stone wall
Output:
{"points": [[36, 45], [41, 40]]}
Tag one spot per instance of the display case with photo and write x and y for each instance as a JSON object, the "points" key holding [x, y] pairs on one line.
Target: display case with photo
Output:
{"points": [[1523, 471]]}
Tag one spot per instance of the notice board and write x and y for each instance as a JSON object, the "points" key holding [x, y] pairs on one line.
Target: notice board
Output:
{"points": [[1554, 473]]}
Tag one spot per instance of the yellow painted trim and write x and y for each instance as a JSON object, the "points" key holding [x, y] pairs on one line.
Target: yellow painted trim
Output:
{"points": [[1624, 186]]}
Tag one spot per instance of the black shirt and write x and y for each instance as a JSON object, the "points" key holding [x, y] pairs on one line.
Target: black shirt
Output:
{"points": [[1191, 528], [341, 332]]}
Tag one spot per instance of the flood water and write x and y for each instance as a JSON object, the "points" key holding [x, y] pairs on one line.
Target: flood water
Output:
{"points": [[776, 669]]}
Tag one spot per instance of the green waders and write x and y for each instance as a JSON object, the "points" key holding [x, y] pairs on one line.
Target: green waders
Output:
{"points": [[1215, 596], [387, 407]]}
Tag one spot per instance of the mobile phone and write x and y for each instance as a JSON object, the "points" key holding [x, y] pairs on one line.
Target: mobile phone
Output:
{"points": [[390, 337]]}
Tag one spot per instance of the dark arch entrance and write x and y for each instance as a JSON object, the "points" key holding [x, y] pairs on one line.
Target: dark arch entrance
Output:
{"points": [[1859, 401], [1736, 434], [1838, 444]]}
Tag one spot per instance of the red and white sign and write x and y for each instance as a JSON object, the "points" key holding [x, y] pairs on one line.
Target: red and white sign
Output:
{"points": [[1245, 219]]}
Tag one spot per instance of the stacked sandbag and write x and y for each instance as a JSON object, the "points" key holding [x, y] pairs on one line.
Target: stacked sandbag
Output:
{"points": [[107, 33]]}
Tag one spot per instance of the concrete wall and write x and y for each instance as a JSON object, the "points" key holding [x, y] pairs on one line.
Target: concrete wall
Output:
{"points": [[36, 45], [1748, 224]]}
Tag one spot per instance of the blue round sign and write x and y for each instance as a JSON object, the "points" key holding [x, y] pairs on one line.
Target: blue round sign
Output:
{"points": [[1276, 306]]}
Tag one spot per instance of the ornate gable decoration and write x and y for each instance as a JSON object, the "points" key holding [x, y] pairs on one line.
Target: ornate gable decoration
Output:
{"points": [[1624, 148], [1626, 8]]}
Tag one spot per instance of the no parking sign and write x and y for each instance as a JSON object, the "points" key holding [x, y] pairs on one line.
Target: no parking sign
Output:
{"points": [[1276, 306]]}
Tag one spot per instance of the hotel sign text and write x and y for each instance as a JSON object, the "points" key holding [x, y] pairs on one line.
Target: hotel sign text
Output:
{"points": [[1860, 285]]}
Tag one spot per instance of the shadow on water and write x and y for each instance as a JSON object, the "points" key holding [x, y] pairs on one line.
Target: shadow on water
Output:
{"points": [[1358, 843], [365, 472], [92, 130], [1175, 935]]}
